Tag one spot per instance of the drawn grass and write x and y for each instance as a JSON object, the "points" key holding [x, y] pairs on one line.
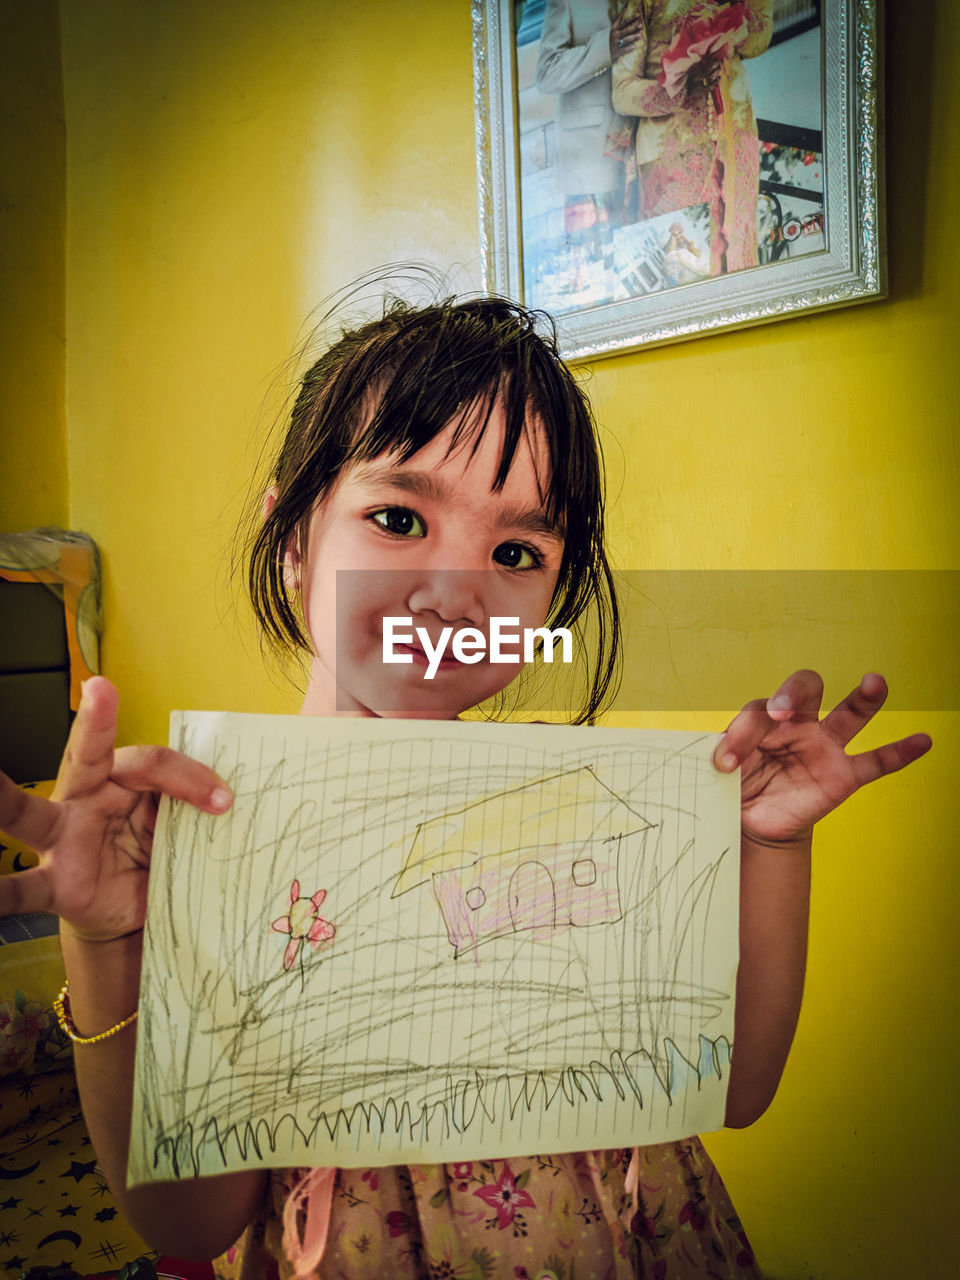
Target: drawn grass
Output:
{"points": [[388, 1043]]}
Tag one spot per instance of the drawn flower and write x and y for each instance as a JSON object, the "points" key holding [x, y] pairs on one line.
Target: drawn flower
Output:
{"points": [[303, 921], [505, 1197], [462, 1169]]}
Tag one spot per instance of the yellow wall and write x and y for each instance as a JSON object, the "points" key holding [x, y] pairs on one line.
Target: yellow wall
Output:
{"points": [[228, 164], [33, 461]]}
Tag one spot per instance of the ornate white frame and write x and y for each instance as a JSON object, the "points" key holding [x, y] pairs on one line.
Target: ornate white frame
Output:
{"points": [[851, 269]]}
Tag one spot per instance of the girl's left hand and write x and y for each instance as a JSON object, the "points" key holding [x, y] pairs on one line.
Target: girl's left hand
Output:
{"points": [[794, 766]]}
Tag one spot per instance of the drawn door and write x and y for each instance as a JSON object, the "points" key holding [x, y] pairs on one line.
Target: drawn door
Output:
{"points": [[532, 898]]}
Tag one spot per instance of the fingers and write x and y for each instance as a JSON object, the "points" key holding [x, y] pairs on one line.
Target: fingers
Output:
{"points": [[797, 698], [628, 24], [625, 34], [26, 891], [167, 771], [26, 816], [90, 759], [870, 765], [744, 731], [849, 716], [88, 756]]}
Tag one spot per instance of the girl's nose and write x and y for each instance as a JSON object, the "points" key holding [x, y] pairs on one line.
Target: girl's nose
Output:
{"points": [[454, 595]]}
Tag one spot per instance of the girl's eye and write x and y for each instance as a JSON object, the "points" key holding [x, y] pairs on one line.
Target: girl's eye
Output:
{"points": [[516, 555], [401, 521]]}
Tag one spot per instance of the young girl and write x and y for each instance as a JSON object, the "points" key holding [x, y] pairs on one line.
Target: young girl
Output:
{"points": [[449, 443]]}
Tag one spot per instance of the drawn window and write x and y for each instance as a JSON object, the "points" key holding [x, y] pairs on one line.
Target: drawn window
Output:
{"points": [[475, 898], [584, 872]]}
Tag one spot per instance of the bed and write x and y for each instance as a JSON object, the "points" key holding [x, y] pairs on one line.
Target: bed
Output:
{"points": [[55, 1207]]}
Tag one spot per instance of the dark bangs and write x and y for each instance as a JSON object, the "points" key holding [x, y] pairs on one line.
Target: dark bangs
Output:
{"points": [[394, 384]]}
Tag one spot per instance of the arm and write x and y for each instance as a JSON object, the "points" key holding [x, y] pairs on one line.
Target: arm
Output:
{"points": [[760, 27], [198, 1218], [794, 771], [632, 92], [563, 65], [774, 910], [94, 838]]}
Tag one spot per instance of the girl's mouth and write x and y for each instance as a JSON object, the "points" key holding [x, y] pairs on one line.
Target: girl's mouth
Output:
{"points": [[447, 663]]}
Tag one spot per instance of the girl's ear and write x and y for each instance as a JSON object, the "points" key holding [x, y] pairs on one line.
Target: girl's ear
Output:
{"points": [[291, 557]]}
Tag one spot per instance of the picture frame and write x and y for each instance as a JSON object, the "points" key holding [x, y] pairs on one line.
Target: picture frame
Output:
{"points": [[617, 277]]}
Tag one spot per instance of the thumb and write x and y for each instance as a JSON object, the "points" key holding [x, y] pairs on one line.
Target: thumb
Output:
{"points": [[88, 756]]}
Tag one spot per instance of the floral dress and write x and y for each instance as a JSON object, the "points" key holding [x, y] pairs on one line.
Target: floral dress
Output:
{"points": [[688, 152], [568, 1217]]}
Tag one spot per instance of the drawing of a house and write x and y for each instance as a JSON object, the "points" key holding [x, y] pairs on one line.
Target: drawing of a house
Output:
{"points": [[540, 857]]}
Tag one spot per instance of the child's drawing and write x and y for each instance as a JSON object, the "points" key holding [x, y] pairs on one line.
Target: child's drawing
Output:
{"points": [[303, 921], [535, 945], [529, 878]]}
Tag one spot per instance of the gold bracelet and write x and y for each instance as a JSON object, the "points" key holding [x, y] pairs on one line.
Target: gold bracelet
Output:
{"points": [[61, 1007]]}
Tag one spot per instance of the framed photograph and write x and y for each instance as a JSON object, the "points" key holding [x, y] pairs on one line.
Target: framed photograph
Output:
{"points": [[650, 170]]}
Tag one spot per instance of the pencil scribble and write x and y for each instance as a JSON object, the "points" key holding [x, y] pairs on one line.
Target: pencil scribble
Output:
{"points": [[532, 946]]}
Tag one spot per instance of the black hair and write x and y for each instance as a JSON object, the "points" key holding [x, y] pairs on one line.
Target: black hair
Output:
{"points": [[391, 385]]}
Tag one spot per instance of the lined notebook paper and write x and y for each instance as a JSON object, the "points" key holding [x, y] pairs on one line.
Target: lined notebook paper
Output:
{"points": [[413, 941]]}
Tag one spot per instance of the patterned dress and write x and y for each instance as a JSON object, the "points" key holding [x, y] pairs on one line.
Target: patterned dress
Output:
{"points": [[566, 1217], [688, 153]]}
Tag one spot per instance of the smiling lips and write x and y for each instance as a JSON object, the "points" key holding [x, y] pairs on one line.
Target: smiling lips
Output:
{"points": [[420, 659]]}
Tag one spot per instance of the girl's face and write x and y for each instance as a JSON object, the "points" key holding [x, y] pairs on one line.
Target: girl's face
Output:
{"points": [[429, 540]]}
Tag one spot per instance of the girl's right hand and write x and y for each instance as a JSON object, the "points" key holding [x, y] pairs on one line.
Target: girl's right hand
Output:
{"points": [[95, 834]]}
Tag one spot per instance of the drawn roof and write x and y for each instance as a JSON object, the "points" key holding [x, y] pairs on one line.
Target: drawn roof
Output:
{"points": [[570, 807]]}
